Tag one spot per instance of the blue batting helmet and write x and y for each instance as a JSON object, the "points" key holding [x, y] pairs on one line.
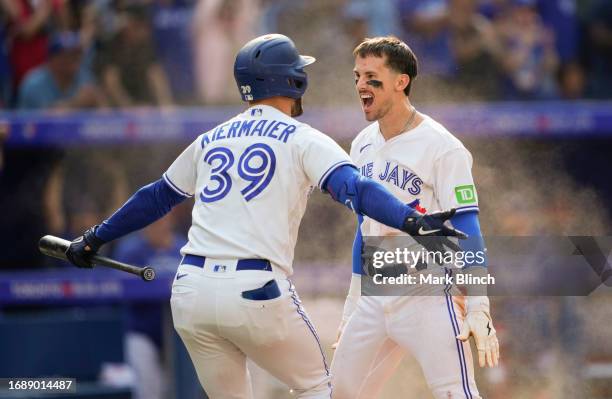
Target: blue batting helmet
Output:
{"points": [[270, 65]]}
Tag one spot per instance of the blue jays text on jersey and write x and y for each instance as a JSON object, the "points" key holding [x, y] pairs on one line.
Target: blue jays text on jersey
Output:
{"points": [[397, 175]]}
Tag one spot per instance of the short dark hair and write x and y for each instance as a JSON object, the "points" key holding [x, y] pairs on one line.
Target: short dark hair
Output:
{"points": [[400, 57]]}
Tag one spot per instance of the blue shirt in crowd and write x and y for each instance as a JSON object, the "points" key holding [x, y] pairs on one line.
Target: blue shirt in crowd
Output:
{"points": [[39, 89]]}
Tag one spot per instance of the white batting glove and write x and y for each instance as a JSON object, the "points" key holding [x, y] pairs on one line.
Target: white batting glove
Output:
{"points": [[479, 324], [349, 305]]}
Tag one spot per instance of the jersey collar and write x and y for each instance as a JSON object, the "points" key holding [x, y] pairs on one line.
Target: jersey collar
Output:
{"points": [[262, 110], [409, 133]]}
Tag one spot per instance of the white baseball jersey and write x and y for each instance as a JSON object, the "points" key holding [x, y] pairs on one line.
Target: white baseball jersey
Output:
{"points": [[427, 166], [251, 177], [430, 169]]}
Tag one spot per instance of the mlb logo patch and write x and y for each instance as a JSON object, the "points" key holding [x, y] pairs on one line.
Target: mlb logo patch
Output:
{"points": [[256, 112], [219, 268]]}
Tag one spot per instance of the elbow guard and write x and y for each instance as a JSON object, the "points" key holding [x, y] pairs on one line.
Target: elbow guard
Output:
{"points": [[343, 186]]}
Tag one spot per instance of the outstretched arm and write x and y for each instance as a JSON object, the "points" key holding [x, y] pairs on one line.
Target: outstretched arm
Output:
{"points": [[146, 206], [367, 197]]}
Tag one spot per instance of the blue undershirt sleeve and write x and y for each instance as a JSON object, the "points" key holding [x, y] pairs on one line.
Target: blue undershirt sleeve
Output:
{"points": [[469, 224], [146, 206], [366, 197]]}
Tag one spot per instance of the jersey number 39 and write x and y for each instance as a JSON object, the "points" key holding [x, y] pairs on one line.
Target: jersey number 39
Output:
{"points": [[256, 166]]}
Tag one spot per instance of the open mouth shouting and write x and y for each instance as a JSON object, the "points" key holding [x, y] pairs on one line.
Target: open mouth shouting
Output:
{"points": [[367, 99]]}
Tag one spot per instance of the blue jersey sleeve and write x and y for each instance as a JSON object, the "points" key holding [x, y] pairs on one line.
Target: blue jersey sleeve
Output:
{"points": [[468, 223], [147, 205], [366, 197]]}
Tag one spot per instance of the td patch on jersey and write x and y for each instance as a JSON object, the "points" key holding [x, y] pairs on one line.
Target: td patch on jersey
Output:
{"points": [[465, 194]]}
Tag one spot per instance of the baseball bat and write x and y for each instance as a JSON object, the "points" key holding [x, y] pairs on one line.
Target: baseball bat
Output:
{"points": [[56, 248]]}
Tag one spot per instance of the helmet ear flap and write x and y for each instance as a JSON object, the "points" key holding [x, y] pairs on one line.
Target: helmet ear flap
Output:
{"points": [[295, 83]]}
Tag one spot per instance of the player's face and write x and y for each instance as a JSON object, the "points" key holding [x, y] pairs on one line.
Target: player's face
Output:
{"points": [[377, 86]]}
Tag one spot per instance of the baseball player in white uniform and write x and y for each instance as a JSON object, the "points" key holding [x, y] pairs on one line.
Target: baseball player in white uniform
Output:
{"points": [[250, 178], [424, 165]]}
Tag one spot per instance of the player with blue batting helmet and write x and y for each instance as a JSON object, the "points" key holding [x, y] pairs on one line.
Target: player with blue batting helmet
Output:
{"points": [[269, 66]]}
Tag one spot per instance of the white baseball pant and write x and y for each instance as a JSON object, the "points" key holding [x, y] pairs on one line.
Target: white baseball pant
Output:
{"points": [[220, 329], [382, 328]]}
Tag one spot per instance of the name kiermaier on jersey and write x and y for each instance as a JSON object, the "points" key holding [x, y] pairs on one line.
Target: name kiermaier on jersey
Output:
{"points": [[430, 279], [274, 129]]}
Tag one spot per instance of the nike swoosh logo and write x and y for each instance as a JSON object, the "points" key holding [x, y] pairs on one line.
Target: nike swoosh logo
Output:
{"points": [[426, 232], [364, 147], [180, 276], [489, 328]]}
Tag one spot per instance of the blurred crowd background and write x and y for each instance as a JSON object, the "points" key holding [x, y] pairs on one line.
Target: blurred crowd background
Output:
{"points": [[123, 53], [58, 57]]}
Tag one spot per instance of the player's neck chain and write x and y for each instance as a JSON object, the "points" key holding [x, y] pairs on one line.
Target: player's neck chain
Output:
{"points": [[406, 126], [410, 120]]}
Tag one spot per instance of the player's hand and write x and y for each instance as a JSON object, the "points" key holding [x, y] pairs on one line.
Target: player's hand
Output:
{"points": [[480, 325], [81, 249], [431, 230], [338, 335]]}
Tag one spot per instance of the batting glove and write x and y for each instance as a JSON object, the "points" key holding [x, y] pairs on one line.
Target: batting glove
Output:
{"points": [[478, 323], [433, 229], [81, 249]]}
